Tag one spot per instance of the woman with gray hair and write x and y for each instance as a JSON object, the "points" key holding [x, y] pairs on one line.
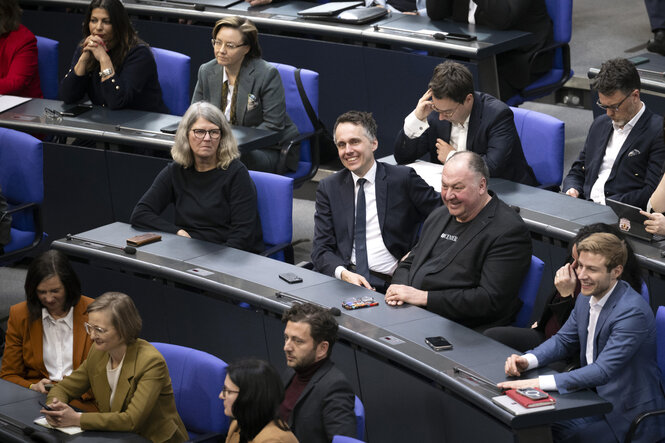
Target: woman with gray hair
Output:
{"points": [[211, 190]]}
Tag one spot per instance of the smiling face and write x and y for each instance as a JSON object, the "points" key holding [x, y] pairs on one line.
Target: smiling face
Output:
{"points": [[594, 276], [232, 57], [463, 191], [103, 333], [51, 294], [355, 149], [100, 25]]}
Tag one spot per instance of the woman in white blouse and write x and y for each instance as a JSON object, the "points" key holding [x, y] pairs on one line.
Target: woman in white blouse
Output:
{"points": [[46, 338]]}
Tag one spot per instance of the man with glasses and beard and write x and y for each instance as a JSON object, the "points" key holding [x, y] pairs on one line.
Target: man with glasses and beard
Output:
{"points": [[624, 150], [452, 117]]}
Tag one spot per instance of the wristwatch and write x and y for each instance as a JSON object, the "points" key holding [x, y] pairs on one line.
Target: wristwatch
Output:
{"points": [[106, 72]]}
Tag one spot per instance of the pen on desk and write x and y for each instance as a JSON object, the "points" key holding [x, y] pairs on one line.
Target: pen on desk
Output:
{"points": [[477, 378], [147, 131]]}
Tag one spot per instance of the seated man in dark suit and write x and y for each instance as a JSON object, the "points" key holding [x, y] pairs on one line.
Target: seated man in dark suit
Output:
{"points": [[392, 203], [519, 67], [452, 117], [612, 328], [472, 254], [318, 400], [623, 155]]}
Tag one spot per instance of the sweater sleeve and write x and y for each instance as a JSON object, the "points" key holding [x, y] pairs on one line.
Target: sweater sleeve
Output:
{"points": [[147, 212]]}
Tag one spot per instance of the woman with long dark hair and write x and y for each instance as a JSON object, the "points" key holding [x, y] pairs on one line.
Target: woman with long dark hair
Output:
{"points": [[111, 64], [46, 337], [252, 394]]}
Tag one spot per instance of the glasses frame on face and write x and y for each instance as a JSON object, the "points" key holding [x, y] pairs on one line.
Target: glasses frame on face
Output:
{"points": [[230, 46], [226, 391], [447, 114], [614, 108], [200, 134], [89, 328]]}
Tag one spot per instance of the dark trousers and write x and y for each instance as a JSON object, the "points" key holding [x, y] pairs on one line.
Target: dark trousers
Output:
{"points": [[656, 13]]}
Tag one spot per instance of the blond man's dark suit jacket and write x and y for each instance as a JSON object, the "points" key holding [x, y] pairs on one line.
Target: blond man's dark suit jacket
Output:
{"points": [[260, 79], [476, 282], [23, 361], [143, 401]]}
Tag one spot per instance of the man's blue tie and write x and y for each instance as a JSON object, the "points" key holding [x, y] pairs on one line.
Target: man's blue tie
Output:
{"points": [[362, 267]]}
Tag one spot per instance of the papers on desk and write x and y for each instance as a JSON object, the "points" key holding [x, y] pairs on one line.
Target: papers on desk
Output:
{"points": [[515, 408], [10, 101], [430, 172], [71, 430]]}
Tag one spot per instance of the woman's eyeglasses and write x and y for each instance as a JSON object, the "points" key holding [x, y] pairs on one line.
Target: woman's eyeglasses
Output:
{"points": [[201, 133]]}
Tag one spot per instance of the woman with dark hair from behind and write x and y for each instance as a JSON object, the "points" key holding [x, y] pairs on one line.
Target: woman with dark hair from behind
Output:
{"points": [[561, 302], [46, 337], [111, 64], [252, 394], [19, 69]]}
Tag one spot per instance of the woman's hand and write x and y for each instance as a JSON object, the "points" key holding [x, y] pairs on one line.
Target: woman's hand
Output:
{"points": [[95, 46], [565, 280], [61, 415], [40, 386], [183, 233]]}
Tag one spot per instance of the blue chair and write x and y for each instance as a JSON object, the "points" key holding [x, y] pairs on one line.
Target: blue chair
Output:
{"points": [[529, 292], [197, 378], [308, 139], [275, 203], [345, 439], [22, 184], [47, 57], [359, 410], [561, 13], [660, 358], [543, 142], [173, 73]]}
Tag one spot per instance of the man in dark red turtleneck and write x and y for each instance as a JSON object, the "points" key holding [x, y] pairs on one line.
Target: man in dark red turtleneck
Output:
{"points": [[318, 401]]}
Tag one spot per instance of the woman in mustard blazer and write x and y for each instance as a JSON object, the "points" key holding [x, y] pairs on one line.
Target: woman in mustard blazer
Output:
{"points": [[53, 296], [127, 375]]}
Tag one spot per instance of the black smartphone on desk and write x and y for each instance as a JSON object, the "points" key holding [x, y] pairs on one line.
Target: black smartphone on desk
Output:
{"points": [[438, 343], [75, 110]]}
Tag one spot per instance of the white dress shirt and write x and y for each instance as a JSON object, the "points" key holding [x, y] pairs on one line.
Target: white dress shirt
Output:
{"points": [[547, 382], [617, 139], [378, 257], [472, 12], [414, 128], [58, 344], [229, 97]]}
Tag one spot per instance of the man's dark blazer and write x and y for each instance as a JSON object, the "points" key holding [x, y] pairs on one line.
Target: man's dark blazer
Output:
{"points": [[492, 134], [403, 201], [624, 371], [637, 168], [515, 68], [476, 282], [325, 407]]}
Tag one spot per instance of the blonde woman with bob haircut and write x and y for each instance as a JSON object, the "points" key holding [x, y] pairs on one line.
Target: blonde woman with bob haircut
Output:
{"points": [[127, 375], [211, 190]]}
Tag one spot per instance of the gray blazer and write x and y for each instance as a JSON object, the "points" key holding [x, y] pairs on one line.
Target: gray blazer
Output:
{"points": [[268, 111]]}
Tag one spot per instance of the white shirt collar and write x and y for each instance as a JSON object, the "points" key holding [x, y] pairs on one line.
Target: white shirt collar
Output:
{"points": [[68, 319], [370, 175]]}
